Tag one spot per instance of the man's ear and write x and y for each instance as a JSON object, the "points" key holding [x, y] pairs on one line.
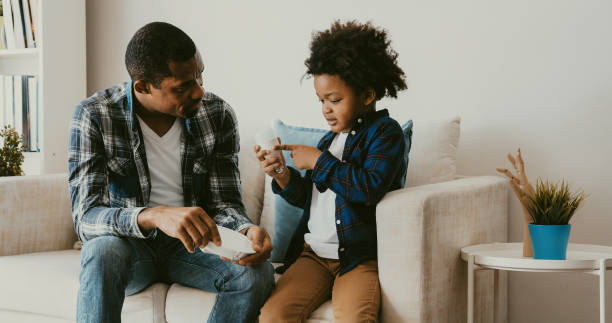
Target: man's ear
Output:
{"points": [[369, 96], [142, 87]]}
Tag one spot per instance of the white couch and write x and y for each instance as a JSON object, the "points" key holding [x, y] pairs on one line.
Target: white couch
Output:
{"points": [[420, 231]]}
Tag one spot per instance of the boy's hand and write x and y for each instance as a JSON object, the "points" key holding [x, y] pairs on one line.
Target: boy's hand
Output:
{"points": [[304, 157], [270, 163]]}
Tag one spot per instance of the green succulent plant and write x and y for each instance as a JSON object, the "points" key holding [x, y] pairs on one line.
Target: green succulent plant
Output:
{"points": [[11, 152], [553, 203]]}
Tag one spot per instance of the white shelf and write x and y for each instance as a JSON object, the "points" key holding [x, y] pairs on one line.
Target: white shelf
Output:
{"points": [[26, 52], [19, 61], [59, 64]]}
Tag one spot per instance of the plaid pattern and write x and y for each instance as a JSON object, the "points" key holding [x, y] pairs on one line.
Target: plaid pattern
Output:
{"points": [[371, 166], [109, 177]]}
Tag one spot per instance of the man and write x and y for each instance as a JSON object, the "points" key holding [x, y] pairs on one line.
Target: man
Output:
{"points": [[153, 170]]}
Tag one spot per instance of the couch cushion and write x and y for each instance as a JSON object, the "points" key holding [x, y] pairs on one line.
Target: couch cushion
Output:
{"points": [[433, 157], [47, 283], [23, 317], [186, 305], [35, 214], [251, 177]]}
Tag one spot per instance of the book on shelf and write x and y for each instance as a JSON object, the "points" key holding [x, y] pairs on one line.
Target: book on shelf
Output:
{"points": [[18, 28], [19, 23], [33, 108], [34, 7], [3, 116], [7, 99], [19, 107], [7, 14], [2, 38], [27, 23]]}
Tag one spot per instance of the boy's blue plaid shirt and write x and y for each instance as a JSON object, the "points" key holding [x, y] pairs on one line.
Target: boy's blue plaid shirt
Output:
{"points": [[109, 178], [372, 165]]}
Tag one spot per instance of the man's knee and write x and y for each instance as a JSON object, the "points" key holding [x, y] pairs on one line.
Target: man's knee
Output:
{"points": [[106, 253], [256, 280], [260, 278]]}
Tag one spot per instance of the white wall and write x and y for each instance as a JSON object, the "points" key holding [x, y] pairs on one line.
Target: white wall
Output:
{"points": [[534, 74]]}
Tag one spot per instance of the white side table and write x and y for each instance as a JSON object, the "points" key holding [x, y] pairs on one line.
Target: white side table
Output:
{"points": [[581, 258]]}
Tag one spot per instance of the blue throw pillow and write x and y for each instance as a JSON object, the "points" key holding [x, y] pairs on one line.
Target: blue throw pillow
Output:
{"points": [[287, 216]]}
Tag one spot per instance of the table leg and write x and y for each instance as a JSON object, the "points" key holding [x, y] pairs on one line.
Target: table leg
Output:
{"points": [[602, 291], [500, 314], [470, 290]]}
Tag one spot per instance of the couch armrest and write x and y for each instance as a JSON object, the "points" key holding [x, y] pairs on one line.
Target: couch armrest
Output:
{"points": [[420, 233], [35, 214]]}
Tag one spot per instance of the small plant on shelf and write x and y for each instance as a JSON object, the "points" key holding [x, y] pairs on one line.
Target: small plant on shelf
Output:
{"points": [[11, 152], [553, 203]]}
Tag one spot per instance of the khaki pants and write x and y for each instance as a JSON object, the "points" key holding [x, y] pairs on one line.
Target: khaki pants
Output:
{"points": [[311, 280]]}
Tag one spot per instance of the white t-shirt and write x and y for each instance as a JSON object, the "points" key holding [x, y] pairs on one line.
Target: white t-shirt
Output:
{"points": [[322, 237], [164, 159]]}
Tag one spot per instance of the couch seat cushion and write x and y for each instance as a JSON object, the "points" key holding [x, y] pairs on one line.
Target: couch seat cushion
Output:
{"points": [[47, 283]]}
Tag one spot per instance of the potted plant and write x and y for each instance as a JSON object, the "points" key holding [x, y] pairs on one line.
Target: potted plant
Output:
{"points": [[546, 211], [551, 207], [11, 152]]}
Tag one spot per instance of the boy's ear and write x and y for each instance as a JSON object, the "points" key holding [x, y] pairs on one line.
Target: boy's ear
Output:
{"points": [[368, 97], [142, 86]]}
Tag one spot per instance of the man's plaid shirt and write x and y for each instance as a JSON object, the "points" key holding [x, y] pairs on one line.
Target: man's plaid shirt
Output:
{"points": [[109, 177], [371, 166]]}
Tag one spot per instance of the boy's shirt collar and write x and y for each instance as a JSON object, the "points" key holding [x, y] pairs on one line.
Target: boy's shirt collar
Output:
{"points": [[368, 117], [361, 122]]}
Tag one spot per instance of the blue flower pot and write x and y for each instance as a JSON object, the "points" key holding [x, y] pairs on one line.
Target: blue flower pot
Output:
{"points": [[549, 241]]}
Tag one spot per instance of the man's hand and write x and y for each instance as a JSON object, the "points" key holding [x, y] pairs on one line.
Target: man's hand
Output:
{"points": [[191, 225], [261, 244], [304, 157]]}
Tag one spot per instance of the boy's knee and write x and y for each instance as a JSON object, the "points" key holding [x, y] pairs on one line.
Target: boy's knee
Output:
{"points": [[273, 312], [357, 317], [354, 313]]}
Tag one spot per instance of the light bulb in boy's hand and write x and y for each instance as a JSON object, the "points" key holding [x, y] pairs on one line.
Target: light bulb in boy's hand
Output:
{"points": [[272, 163], [267, 140]]}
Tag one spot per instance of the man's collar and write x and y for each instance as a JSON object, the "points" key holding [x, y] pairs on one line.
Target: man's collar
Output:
{"points": [[132, 109], [130, 100]]}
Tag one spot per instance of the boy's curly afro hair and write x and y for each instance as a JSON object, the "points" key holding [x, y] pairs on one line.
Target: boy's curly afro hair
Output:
{"points": [[360, 54]]}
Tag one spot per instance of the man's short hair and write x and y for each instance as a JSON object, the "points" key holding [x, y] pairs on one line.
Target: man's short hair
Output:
{"points": [[152, 47]]}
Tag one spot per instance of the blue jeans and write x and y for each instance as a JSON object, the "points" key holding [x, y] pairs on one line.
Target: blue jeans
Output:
{"points": [[113, 267]]}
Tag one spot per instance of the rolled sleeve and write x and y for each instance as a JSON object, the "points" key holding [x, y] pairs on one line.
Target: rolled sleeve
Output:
{"points": [[294, 192]]}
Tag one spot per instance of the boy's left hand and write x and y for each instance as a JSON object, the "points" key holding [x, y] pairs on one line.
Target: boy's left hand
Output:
{"points": [[304, 157]]}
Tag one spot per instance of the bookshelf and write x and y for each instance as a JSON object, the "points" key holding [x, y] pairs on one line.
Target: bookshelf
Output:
{"points": [[59, 64]]}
